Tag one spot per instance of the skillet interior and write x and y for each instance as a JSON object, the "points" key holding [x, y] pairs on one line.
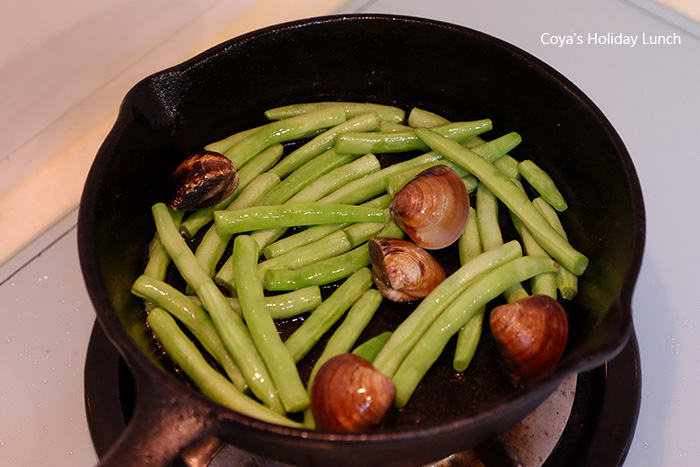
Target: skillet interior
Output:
{"points": [[408, 62]]}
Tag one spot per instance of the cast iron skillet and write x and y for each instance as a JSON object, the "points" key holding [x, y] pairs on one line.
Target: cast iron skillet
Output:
{"points": [[457, 72]]}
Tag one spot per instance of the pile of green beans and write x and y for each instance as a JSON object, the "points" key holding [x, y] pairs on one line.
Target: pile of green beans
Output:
{"points": [[221, 329]]}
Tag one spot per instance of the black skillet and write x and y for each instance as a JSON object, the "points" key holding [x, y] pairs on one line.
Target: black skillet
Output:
{"points": [[457, 72]]}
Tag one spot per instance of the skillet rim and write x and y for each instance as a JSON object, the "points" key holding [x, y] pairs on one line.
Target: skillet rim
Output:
{"points": [[139, 363]]}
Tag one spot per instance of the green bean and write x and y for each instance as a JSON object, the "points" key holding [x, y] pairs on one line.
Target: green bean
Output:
{"points": [[468, 338], [469, 246], [328, 313], [458, 313], [283, 131], [280, 306], [306, 174], [301, 238], [262, 328], [490, 233], [228, 324], [223, 145], [487, 218], [332, 245], [392, 127], [212, 383], [317, 232], [385, 112], [327, 247], [313, 234], [469, 243], [428, 310], [508, 167], [371, 347], [197, 320], [542, 183], [567, 282], [212, 246], [158, 257], [349, 330], [359, 233], [542, 284], [470, 183], [512, 197], [399, 180], [249, 172], [392, 230], [290, 215], [418, 117], [334, 179], [497, 149], [497, 156], [294, 303], [320, 273], [374, 184], [380, 143], [324, 142], [337, 178]]}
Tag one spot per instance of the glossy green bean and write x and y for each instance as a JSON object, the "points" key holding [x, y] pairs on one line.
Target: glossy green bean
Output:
{"points": [[212, 383], [194, 317], [432, 343], [430, 308], [385, 112], [290, 215], [283, 131], [328, 313], [320, 273], [393, 142], [273, 351], [512, 197], [325, 141], [229, 325]]}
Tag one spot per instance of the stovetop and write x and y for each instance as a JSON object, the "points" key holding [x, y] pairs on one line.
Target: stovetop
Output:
{"points": [[650, 93]]}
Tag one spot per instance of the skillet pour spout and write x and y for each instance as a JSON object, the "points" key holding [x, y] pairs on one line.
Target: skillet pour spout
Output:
{"points": [[175, 113]]}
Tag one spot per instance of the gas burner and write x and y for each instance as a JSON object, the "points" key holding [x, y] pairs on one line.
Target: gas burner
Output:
{"points": [[589, 421]]}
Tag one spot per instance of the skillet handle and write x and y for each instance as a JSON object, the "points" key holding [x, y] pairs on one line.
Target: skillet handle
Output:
{"points": [[163, 423]]}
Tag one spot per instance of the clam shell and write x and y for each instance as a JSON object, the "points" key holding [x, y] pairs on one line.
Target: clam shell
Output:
{"points": [[432, 208], [403, 271], [531, 335], [349, 394], [201, 181]]}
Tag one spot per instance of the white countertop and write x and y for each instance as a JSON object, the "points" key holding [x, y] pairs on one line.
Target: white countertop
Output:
{"points": [[62, 84]]}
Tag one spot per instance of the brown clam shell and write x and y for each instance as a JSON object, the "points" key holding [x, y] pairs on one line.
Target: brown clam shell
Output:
{"points": [[403, 271], [349, 394], [531, 335], [201, 181], [432, 208]]}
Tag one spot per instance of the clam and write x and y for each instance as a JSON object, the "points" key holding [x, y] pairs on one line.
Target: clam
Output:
{"points": [[531, 335], [201, 181], [402, 270], [349, 394], [432, 208]]}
